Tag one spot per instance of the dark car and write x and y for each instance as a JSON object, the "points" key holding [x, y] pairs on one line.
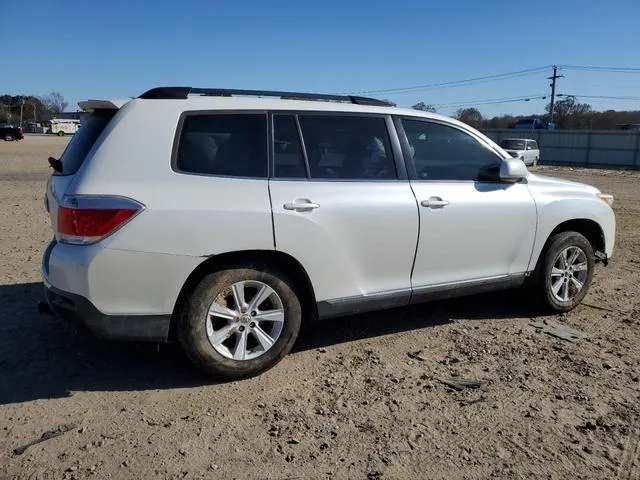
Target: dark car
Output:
{"points": [[9, 133]]}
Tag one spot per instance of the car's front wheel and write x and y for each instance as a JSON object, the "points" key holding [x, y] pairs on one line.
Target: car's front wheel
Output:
{"points": [[8, 137], [240, 322], [565, 271]]}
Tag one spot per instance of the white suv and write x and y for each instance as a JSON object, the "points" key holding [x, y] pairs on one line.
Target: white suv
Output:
{"points": [[523, 148], [224, 219]]}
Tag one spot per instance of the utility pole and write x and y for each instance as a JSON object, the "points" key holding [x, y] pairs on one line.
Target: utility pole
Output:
{"points": [[21, 110], [553, 79]]}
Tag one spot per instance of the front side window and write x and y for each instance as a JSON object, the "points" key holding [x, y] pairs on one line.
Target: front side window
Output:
{"points": [[347, 147], [233, 145], [441, 152]]}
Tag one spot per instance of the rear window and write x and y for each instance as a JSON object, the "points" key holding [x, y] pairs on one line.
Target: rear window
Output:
{"points": [[79, 146], [233, 145], [513, 144]]}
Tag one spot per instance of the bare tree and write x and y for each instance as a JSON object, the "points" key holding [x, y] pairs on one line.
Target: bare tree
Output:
{"points": [[424, 107], [470, 116], [569, 113], [54, 102]]}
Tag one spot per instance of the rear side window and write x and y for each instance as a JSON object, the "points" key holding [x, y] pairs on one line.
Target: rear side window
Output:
{"points": [[233, 145], [84, 139], [348, 147], [532, 145]]}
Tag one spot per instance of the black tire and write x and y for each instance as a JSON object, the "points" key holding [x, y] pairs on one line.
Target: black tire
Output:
{"points": [[535, 161], [192, 323], [544, 279], [60, 133], [8, 138]]}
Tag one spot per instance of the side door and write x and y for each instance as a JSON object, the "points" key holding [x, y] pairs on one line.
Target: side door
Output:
{"points": [[474, 229], [343, 207]]}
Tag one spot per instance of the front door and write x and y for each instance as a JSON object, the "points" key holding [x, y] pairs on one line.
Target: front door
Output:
{"points": [[473, 228]]}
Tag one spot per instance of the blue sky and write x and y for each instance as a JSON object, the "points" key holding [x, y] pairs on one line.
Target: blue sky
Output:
{"points": [[119, 48]]}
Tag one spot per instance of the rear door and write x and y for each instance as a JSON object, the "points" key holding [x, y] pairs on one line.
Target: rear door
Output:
{"points": [[342, 206]]}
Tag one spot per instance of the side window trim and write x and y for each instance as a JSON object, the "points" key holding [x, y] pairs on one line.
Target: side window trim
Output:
{"points": [[303, 147], [178, 135], [406, 148], [272, 145]]}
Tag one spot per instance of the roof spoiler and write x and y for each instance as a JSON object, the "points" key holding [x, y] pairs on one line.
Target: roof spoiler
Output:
{"points": [[91, 105], [181, 93]]}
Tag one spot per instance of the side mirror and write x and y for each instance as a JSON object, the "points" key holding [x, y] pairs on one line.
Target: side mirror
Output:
{"points": [[512, 170]]}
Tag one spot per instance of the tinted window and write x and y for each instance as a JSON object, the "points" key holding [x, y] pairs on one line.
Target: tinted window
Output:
{"points": [[446, 153], [287, 152], [533, 145], [347, 147], [79, 146], [511, 144], [224, 144]]}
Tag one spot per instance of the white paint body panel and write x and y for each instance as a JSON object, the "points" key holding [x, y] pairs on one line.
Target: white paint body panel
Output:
{"points": [[559, 201], [486, 230], [361, 240]]}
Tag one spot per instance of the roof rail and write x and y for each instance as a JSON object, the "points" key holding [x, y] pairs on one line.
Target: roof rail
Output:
{"points": [[183, 92]]}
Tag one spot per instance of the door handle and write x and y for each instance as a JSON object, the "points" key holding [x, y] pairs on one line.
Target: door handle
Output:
{"points": [[434, 202], [301, 205]]}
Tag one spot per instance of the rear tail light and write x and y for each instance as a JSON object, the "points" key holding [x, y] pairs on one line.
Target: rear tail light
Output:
{"points": [[83, 220], [20, 130]]}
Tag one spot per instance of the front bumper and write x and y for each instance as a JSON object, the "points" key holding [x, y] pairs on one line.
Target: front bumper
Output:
{"points": [[83, 315]]}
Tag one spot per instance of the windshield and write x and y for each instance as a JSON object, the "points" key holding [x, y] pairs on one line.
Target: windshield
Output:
{"points": [[83, 140], [511, 144]]}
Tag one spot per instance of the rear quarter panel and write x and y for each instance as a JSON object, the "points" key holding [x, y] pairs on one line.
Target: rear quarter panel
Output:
{"points": [[184, 214]]}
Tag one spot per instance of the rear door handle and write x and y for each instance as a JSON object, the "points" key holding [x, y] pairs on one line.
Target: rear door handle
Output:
{"points": [[301, 205], [434, 202]]}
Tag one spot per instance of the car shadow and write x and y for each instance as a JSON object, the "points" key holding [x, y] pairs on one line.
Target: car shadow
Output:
{"points": [[41, 357]]}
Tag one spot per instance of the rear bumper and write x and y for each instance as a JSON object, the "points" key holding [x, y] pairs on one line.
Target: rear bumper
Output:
{"points": [[114, 294], [83, 315]]}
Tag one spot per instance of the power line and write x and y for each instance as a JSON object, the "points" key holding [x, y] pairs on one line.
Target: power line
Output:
{"points": [[602, 69], [603, 97], [494, 101], [455, 83]]}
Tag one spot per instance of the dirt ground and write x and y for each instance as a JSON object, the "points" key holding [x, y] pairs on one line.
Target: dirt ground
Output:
{"points": [[359, 397]]}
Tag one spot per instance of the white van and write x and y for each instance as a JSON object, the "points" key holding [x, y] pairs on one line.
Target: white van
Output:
{"points": [[63, 126]]}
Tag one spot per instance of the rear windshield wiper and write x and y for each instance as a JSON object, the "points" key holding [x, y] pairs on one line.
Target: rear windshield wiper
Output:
{"points": [[55, 164]]}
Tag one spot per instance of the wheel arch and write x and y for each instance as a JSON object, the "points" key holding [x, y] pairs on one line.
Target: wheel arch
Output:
{"points": [[591, 230], [274, 259]]}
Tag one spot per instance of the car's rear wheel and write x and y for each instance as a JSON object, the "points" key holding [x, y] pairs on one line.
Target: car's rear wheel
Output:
{"points": [[8, 137], [240, 322], [60, 133], [565, 271]]}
